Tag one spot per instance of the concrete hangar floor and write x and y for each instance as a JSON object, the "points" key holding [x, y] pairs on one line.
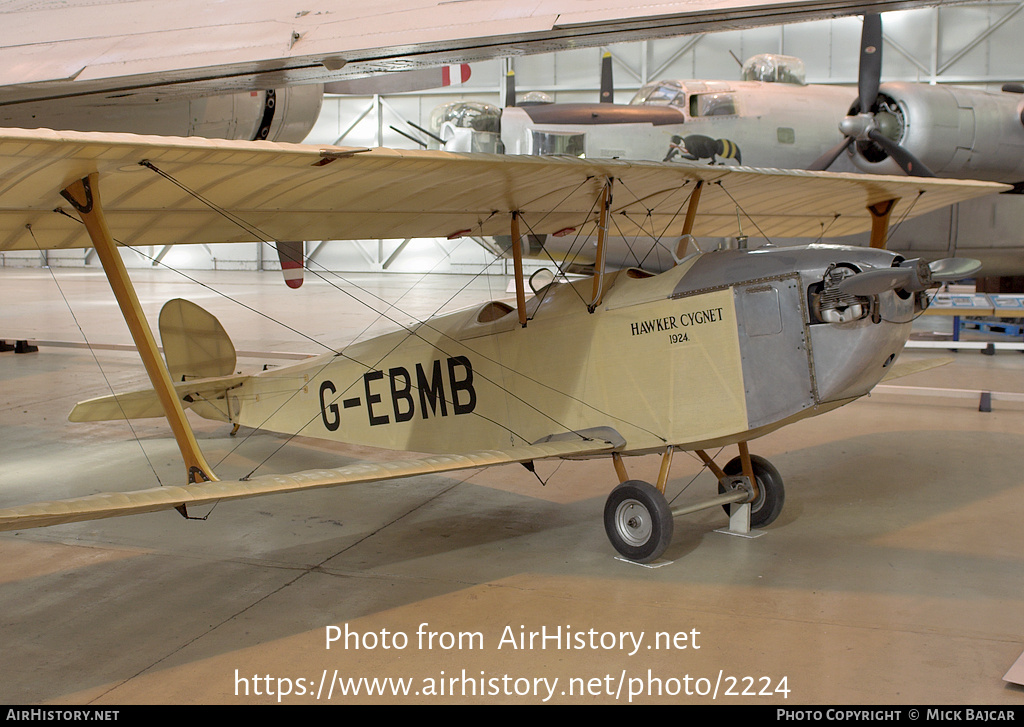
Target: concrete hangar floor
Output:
{"points": [[893, 575]]}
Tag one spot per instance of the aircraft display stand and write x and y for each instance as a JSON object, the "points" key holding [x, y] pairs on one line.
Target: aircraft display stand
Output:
{"points": [[739, 522], [1016, 673]]}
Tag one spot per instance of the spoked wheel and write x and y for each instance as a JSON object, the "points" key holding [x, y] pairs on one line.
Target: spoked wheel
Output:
{"points": [[638, 521], [771, 495]]}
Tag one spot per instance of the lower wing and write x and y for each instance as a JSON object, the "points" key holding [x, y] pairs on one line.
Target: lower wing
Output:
{"points": [[113, 504]]}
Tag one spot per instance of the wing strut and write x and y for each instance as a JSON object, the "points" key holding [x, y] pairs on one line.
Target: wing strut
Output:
{"points": [[517, 259], [691, 216], [602, 250], [880, 222], [85, 198]]}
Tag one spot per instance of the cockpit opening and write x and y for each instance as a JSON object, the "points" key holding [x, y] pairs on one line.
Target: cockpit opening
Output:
{"points": [[664, 93], [697, 98], [493, 311], [775, 68], [468, 126], [712, 104], [550, 143]]}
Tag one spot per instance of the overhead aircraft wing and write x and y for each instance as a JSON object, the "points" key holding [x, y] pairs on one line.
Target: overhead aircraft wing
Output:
{"points": [[112, 504], [158, 191], [80, 47]]}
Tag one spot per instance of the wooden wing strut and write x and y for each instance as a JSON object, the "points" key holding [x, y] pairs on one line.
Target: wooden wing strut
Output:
{"points": [[691, 215], [602, 252], [517, 259], [85, 198], [880, 214]]}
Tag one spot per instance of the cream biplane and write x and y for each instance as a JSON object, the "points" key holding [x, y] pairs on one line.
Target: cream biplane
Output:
{"points": [[721, 349]]}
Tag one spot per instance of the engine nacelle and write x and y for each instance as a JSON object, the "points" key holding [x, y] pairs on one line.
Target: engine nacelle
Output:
{"points": [[285, 115], [956, 132]]}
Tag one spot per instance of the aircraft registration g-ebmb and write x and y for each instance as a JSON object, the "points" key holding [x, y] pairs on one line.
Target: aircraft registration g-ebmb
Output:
{"points": [[722, 348]]}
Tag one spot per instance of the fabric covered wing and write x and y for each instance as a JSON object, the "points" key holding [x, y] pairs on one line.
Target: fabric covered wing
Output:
{"points": [[223, 191], [113, 504]]}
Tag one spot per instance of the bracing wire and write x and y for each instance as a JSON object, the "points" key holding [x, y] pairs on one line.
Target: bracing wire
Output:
{"points": [[96, 360], [409, 331], [740, 208], [414, 332]]}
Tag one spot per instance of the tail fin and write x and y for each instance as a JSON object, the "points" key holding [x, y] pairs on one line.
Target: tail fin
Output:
{"points": [[196, 346], [200, 359]]}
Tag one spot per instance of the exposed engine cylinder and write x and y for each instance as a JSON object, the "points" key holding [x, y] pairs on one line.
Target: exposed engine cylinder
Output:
{"points": [[830, 305]]}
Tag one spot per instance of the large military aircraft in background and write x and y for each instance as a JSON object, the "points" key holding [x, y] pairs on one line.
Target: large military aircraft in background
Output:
{"points": [[258, 70], [772, 119]]}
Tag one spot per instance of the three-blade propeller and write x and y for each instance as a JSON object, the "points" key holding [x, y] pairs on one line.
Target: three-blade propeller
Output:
{"points": [[607, 94], [865, 126]]}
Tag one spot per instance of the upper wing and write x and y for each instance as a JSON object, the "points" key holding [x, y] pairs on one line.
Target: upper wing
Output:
{"points": [[112, 504], [77, 47], [158, 191]]}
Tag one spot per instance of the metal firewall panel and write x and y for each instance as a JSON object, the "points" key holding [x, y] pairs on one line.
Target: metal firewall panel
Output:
{"points": [[771, 323]]}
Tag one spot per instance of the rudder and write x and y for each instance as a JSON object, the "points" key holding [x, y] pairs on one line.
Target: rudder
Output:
{"points": [[196, 346]]}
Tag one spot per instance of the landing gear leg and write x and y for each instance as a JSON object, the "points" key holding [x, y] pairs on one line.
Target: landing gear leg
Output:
{"points": [[639, 520]]}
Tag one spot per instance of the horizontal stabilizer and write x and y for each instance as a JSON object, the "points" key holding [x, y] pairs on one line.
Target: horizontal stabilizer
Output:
{"points": [[113, 504], [144, 404], [912, 367]]}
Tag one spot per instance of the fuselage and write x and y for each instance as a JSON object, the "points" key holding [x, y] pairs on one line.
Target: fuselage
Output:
{"points": [[768, 125], [724, 347], [957, 132]]}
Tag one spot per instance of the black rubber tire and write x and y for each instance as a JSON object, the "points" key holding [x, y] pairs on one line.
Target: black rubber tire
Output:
{"points": [[771, 494], [638, 521]]}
